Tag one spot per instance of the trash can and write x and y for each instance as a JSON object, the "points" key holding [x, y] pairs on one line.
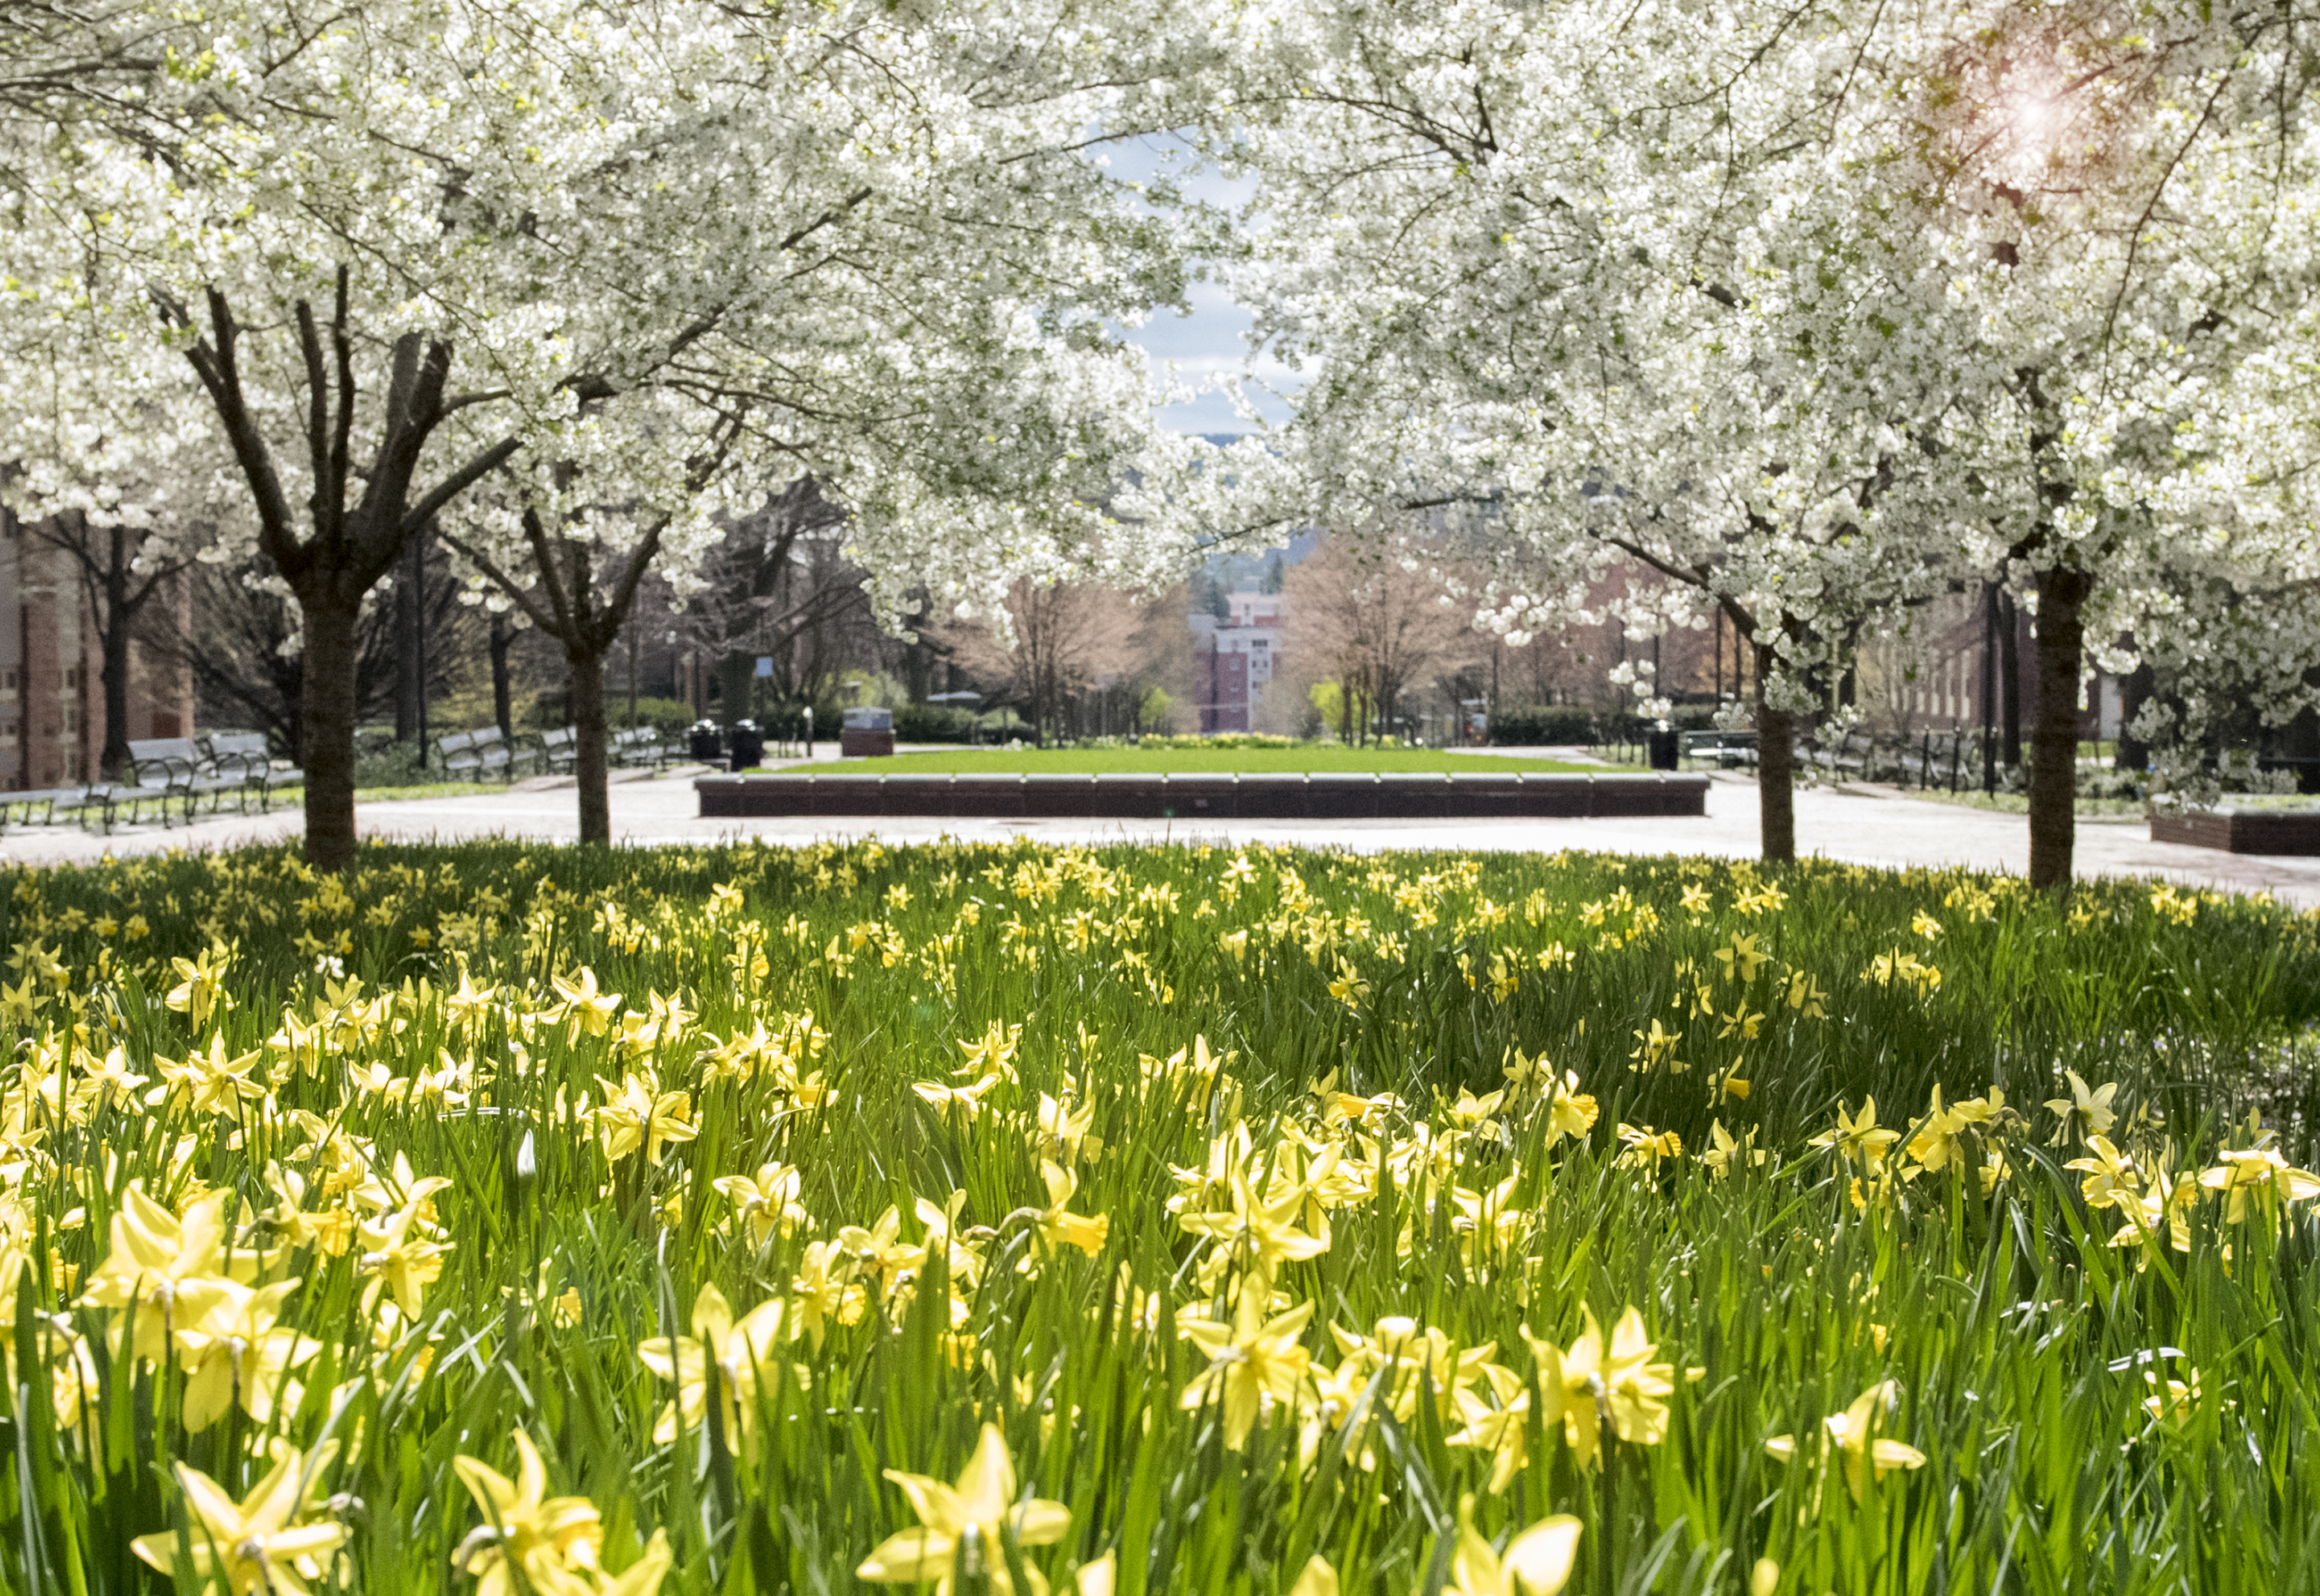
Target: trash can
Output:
{"points": [[708, 742], [749, 745], [1662, 745]]}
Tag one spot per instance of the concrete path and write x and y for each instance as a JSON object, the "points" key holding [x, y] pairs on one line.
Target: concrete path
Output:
{"points": [[1862, 825]]}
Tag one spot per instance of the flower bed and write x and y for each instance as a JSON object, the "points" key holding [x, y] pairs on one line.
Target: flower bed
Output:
{"points": [[1184, 1219]]}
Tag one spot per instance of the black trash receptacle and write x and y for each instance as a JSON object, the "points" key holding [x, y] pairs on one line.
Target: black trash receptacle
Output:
{"points": [[708, 743], [1661, 741], [749, 745]]}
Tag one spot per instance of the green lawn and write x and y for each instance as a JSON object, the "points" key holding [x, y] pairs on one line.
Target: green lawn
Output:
{"points": [[1139, 762]]}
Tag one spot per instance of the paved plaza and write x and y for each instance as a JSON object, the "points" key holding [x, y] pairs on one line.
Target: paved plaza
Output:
{"points": [[1862, 825]]}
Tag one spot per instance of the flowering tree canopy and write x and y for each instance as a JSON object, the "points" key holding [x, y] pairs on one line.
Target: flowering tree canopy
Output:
{"points": [[1814, 312], [625, 265]]}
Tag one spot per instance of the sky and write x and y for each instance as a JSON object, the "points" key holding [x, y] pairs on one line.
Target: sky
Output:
{"points": [[1209, 343]]}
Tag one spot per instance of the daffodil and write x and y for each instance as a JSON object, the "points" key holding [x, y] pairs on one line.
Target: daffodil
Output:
{"points": [[165, 1270], [236, 1353], [201, 988], [2110, 1174], [636, 1113], [2257, 1173], [266, 1543], [398, 1256], [766, 1204], [1501, 1428], [823, 1290], [2085, 1113], [1858, 1136], [1593, 1385], [738, 1348], [1252, 1361], [1060, 1227], [1536, 1563], [1742, 958], [589, 1010], [529, 1539], [1868, 1457], [1260, 1234], [965, 1527], [1724, 1155]]}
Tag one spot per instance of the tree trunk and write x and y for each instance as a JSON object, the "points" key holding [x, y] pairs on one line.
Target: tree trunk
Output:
{"points": [[1776, 770], [588, 763], [112, 637], [2009, 680], [407, 685], [2054, 734], [503, 694], [735, 676], [326, 729], [2133, 694]]}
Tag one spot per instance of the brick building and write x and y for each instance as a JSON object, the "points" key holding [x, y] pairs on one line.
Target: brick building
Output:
{"points": [[51, 685], [1234, 659]]}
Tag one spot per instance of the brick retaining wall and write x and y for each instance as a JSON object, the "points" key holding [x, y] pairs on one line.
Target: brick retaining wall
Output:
{"points": [[2290, 834], [1326, 796]]}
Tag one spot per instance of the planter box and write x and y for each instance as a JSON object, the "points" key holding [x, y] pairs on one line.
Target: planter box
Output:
{"points": [[1119, 797], [915, 796], [986, 797], [2294, 833], [1199, 798], [1324, 796], [1633, 796], [1059, 797], [1412, 796], [1478, 794], [844, 794], [856, 744], [1272, 797], [1547, 795], [1331, 795]]}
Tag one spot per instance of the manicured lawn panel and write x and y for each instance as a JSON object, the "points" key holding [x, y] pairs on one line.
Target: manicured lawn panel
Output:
{"points": [[1318, 757]]}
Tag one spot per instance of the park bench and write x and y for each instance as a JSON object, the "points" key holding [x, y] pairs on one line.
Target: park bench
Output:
{"points": [[178, 767], [247, 752], [1726, 747], [472, 755], [48, 803], [559, 751], [640, 746]]}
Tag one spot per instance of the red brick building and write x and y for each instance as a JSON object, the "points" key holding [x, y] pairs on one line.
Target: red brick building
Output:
{"points": [[51, 685], [1234, 659]]}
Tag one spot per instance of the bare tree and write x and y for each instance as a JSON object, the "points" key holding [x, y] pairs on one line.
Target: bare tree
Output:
{"points": [[1375, 613], [1063, 637], [120, 570], [781, 588], [249, 667]]}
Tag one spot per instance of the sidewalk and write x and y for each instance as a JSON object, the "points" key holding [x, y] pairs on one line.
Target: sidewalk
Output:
{"points": [[1865, 826]]}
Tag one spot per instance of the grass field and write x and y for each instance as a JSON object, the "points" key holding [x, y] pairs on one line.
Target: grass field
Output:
{"points": [[1310, 756], [505, 1219]]}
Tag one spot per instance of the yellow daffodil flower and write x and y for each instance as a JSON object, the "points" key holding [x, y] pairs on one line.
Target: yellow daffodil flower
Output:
{"points": [[963, 1528], [1536, 1563], [266, 1543], [1252, 1361], [1868, 1457], [527, 1536]]}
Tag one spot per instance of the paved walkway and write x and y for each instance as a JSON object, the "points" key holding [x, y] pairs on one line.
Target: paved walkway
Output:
{"points": [[1862, 825]]}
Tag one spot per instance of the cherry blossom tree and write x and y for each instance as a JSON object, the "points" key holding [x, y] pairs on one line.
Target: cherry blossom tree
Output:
{"points": [[1813, 311], [385, 254]]}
